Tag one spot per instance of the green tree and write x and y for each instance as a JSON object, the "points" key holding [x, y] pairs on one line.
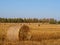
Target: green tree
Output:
{"points": [[58, 22], [52, 21]]}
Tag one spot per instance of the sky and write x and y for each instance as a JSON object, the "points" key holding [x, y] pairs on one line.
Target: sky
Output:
{"points": [[30, 9]]}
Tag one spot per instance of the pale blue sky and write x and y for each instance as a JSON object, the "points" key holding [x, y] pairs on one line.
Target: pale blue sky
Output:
{"points": [[30, 8]]}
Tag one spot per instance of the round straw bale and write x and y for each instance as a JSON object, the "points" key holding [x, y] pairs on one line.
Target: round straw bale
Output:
{"points": [[12, 33], [24, 31]]}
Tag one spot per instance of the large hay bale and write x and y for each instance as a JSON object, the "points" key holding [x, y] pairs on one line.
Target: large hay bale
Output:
{"points": [[24, 32], [16, 33], [12, 33]]}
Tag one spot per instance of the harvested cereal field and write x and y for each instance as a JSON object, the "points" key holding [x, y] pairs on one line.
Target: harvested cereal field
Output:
{"points": [[37, 34]]}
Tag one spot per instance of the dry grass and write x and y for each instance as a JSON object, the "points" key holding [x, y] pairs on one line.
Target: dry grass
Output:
{"points": [[44, 42], [42, 34]]}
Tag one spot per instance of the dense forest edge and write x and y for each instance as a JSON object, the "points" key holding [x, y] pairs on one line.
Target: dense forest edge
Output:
{"points": [[29, 20]]}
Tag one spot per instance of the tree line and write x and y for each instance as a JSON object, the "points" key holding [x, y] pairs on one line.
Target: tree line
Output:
{"points": [[29, 20]]}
